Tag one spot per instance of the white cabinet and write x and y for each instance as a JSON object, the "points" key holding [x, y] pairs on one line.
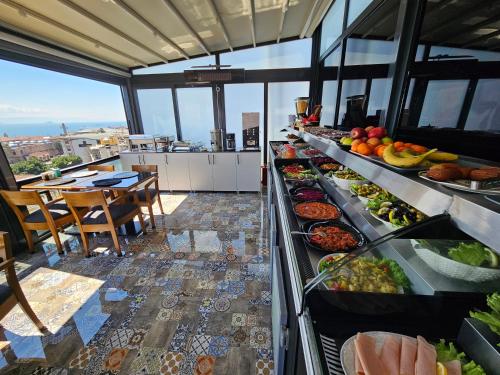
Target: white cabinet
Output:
{"points": [[224, 171], [248, 171], [160, 161], [178, 171], [200, 171], [129, 159]]}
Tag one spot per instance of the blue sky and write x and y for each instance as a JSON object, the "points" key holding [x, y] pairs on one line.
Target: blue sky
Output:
{"points": [[33, 95]]}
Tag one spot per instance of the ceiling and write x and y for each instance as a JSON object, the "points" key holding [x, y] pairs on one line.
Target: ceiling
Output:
{"points": [[133, 33]]}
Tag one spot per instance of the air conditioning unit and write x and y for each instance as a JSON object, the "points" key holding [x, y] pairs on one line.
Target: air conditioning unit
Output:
{"points": [[214, 75]]}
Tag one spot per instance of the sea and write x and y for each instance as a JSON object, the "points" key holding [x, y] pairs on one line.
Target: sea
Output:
{"points": [[53, 128]]}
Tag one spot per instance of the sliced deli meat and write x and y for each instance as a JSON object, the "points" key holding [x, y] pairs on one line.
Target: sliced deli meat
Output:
{"points": [[358, 367], [426, 358], [454, 367], [408, 356], [366, 351], [390, 354]]}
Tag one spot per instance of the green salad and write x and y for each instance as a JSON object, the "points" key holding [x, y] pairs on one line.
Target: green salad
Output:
{"points": [[492, 319], [447, 352]]}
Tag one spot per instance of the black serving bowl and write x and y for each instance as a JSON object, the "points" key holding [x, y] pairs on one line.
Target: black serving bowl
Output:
{"points": [[310, 225], [294, 191], [318, 201]]}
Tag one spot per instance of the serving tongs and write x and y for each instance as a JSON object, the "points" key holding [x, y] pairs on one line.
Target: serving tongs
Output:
{"points": [[366, 248]]}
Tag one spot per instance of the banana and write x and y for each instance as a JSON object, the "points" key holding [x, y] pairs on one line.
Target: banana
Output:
{"points": [[404, 162], [443, 156]]}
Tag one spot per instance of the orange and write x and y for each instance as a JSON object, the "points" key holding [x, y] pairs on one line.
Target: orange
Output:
{"points": [[419, 149], [379, 151], [398, 144], [355, 144], [374, 141], [364, 149]]}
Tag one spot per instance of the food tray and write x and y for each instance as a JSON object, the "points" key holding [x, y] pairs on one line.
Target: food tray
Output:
{"points": [[377, 160], [464, 185], [387, 224], [60, 181], [310, 225], [452, 268]]}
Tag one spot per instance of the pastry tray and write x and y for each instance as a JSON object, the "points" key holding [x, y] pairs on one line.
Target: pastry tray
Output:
{"points": [[478, 187]]}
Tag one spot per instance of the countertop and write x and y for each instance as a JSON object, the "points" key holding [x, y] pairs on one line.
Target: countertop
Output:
{"points": [[186, 152]]}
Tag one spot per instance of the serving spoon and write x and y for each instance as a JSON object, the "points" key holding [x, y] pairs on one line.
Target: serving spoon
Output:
{"points": [[321, 234]]}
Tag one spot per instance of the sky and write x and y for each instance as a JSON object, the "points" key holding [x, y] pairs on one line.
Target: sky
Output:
{"points": [[33, 95]]}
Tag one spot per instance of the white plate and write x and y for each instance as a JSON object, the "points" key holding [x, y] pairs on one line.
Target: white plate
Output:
{"points": [[347, 352], [82, 174], [457, 186], [344, 184], [387, 224]]}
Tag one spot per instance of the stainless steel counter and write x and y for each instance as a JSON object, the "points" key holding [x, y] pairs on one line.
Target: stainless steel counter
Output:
{"points": [[472, 213]]}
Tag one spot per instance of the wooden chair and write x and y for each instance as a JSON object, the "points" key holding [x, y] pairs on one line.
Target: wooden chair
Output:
{"points": [[146, 194], [11, 293], [51, 216], [103, 168], [101, 216]]}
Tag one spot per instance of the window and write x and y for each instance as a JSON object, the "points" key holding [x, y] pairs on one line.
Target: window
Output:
{"points": [[379, 96], [281, 104], [443, 103], [175, 67], [328, 100], [480, 55], [355, 9], [484, 112], [50, 119], [157, 112], [239, 99], [366, 51], [331, 27], [196, 114], [295, 54], [333, 59], [350, 87]]}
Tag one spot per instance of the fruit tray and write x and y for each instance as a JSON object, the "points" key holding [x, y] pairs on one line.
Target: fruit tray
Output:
{"points": [[379, 161], [467, 185]]}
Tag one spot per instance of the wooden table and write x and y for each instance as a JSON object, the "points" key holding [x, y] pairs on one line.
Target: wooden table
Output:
{"points": [[86, 183]]}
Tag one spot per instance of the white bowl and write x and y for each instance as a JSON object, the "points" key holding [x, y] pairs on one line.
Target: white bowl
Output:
{"points": [[387, 224], [454, 269], [344, 184]]}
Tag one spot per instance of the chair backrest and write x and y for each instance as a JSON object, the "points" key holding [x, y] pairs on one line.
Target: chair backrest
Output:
{"points": [[145, 168], [24, 198], [98, 167], [5, 249], [79, 200]]}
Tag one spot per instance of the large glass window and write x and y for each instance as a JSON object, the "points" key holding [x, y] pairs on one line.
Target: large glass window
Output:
{"points": [[366, 51], [196, 114], [281, 104], [356, 7], [176, 67], [449, 53], [331, 27], [379, 96], [54, 120], [294, 54], [157, 112], [350, 87], [240, 99], [333, 59], [443, 103], [328, 100], [484, 112]]}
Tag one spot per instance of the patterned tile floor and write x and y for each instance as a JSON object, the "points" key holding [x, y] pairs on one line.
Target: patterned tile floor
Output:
{"points": [[191, 297]]}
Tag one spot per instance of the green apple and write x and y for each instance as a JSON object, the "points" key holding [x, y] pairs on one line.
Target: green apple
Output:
{"points": [[346, 141], [387, 140]]}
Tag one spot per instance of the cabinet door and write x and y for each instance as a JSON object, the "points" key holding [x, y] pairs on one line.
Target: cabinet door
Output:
{"points": [[160, 161], [127, 160], [248, 175], [200, 172], [178, 171], [224, 171]]}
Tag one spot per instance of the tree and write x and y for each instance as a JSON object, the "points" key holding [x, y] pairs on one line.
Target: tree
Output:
{"points": [[65, 161], [30, 166]]}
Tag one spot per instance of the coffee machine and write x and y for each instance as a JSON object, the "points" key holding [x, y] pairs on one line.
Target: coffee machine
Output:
{"points": [[217, 139], [230, 142], [250, 130]]}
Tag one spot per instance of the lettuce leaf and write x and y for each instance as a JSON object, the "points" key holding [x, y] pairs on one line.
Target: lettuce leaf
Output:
{"points": [[448, 352], [492, 319], [472, 368], [473, 253]]}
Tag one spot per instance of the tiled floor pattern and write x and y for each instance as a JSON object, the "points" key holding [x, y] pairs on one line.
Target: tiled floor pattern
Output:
{"points": [[191, 297]]}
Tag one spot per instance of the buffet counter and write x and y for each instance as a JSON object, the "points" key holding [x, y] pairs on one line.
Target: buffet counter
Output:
{"points": [[201, 171], [311, 323]]}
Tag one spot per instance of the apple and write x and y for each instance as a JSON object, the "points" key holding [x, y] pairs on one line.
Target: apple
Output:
{"points": [[358, 133], [364, 139], [346, 141], [377, 133], [368, 128], [387, 140]]}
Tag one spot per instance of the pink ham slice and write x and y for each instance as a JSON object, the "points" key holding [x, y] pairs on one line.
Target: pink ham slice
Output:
{"points": [[426, 358], [408, 356], [390, 354], [357, 365], [366, 351], [454, 367]]}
